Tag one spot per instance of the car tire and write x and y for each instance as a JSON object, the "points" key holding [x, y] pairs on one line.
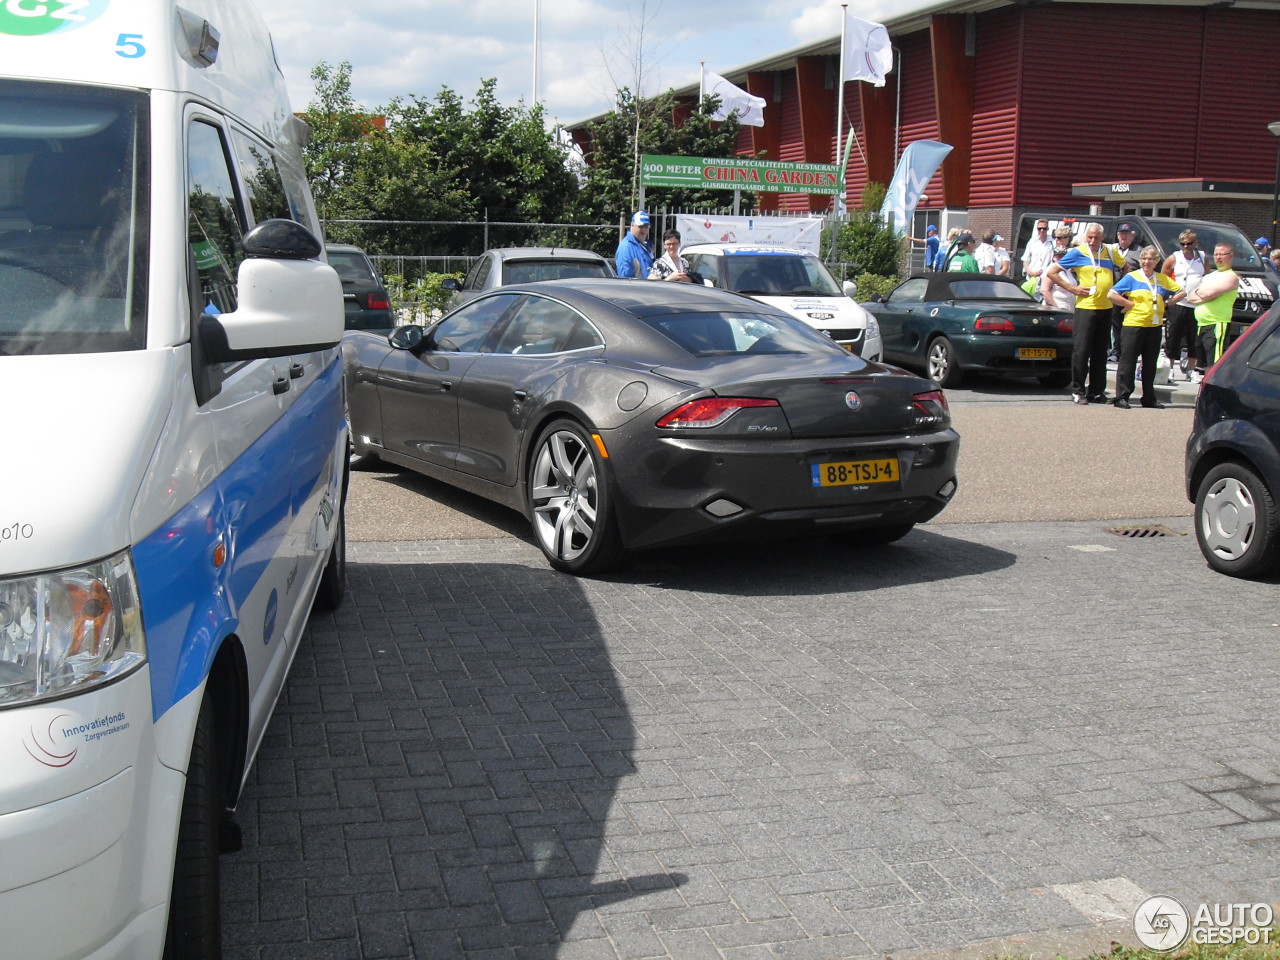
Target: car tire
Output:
{"points": [[1055, 381], [873, 536], [333, 580], [1237, 525], [571, 502], [940, 362], [195, 917]]}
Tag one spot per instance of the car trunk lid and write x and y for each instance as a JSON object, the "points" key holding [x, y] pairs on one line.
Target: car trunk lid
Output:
{"points": [[824, 397]]}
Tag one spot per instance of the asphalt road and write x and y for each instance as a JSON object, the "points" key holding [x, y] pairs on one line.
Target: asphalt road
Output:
{"points": [[996, 737], [1026, 454]]}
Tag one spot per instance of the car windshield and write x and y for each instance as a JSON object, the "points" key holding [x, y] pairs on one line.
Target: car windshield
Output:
{"points": [[730, 334], [529, 271], [351, 266], [73, 219], [1209, 235], [987, 290], [779, 275]]}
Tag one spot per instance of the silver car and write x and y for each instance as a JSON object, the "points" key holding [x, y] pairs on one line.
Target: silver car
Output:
{"points": [[501, 267]]}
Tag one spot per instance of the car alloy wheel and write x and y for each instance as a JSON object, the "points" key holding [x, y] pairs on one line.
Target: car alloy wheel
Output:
{"points": [[1237, 524], [941, 361], [570, 503]]}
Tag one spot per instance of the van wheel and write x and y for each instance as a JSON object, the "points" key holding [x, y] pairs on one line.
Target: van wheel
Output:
{"points": [[195, 916], [1237, 524], [333, 581]]}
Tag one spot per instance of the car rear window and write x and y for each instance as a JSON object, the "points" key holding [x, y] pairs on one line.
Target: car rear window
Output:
{"points": [[988, 290], [350, 266], [730, 334], [529, 271]]}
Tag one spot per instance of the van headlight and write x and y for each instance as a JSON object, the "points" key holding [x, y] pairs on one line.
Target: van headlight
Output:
{"points": [[66, 631]]}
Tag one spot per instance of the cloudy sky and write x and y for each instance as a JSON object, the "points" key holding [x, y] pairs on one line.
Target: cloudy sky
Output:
{"points": [[403, 47]]}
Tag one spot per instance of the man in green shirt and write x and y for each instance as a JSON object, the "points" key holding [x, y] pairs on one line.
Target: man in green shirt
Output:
{"points": [[962, 259], [1214, 300]]}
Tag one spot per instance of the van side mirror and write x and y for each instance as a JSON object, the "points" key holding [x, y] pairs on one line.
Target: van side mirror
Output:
{"points": [[289, 300], [282, 240], [850, 288]]}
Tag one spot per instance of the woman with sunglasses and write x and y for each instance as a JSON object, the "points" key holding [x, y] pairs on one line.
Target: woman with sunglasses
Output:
{"points": [[1186, 266]]}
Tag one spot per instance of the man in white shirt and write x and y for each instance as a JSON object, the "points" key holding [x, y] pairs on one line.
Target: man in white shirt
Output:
{"points": [[985, 253], [1039, 253]]}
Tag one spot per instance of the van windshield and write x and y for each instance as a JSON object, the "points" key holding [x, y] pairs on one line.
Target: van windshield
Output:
{"points": [[779, 275], [73, 219]]}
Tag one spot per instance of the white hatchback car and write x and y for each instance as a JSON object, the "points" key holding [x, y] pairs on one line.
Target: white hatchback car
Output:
{"points": [[792, 280]]}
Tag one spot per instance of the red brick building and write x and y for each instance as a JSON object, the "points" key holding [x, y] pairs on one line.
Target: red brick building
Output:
{"points": [[1159, 108]]}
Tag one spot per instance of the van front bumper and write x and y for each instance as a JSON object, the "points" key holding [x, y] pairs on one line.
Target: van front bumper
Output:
{"points": [[88, 819]]}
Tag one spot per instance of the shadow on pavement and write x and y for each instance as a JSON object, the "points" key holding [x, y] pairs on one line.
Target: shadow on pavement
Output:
{"points": [[438, 775], [813, 566]]}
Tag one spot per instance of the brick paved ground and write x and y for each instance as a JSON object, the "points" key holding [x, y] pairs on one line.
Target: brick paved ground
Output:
{"points": [[804, 752]]}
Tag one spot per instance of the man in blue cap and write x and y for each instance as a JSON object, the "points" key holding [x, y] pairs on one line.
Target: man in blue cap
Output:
{"points": [[634, 259]]}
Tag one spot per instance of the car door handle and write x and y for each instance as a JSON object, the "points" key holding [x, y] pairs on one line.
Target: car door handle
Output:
{"points": [[446, 385], [281, 385], [297, 371], [521, 396]]}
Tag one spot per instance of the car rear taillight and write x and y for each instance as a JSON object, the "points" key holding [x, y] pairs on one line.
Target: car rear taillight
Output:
{"points": [[710, 411], [932, 404], [379, 301], [1066, 325], [1001, 324]]}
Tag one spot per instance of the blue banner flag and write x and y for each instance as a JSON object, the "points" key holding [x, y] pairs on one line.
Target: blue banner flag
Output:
{"points": [[916, 168]]}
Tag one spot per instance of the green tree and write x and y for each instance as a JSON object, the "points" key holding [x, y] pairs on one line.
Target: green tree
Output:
{"points": [[617, 139], [865, 239], [432, 160]]}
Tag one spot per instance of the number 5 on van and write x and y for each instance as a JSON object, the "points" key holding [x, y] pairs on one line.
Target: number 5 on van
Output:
{"points": [[168, 348]]}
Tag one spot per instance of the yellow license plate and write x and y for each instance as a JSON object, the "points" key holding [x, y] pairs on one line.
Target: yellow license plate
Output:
{"points": [[1037, 353], [848, 473]]}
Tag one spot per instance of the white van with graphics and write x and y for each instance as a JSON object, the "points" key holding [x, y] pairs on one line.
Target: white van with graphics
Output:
{"points": [[171, 499], [793, 280]]}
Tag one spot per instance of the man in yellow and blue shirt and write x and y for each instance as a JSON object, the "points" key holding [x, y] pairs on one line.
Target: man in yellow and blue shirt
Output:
{"points": [[1141, 294], [1095, 268]]}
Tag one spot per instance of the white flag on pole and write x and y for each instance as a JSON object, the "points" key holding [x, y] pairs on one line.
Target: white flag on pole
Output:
{"points": [[867, 53], [750, 110]]}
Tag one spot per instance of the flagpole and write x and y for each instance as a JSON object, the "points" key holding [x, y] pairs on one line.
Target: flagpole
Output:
{"points": [[702, 80], [844, 20], [537, 17]]}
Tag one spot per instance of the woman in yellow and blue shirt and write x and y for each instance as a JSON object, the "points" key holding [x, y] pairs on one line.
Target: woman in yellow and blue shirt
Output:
{"points": [[1143, 294]]}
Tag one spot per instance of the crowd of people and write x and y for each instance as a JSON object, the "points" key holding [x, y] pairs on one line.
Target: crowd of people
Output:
{"points": [[1127, 305]]}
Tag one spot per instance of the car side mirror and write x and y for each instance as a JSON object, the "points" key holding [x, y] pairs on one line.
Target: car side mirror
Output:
{"points": [[850, 288], [451, 283], [406, 338]]}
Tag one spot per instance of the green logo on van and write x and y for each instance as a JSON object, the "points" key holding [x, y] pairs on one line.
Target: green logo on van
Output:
{"points": [[31, 18]]}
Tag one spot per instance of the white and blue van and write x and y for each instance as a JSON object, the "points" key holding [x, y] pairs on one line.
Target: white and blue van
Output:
{"points": [[173, 477]]}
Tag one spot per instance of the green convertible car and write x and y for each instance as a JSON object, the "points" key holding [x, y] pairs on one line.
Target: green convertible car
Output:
{"points": [[950, 324]]}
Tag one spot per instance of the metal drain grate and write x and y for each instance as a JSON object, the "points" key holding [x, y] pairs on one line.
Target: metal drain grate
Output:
{"points": [[1143, 533]]}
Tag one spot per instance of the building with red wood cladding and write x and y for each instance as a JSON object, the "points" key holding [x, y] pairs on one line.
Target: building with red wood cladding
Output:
{"points": [[1159, 108]]}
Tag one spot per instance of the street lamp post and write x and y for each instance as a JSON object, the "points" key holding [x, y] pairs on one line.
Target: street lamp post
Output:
{"points": [[1275, 207]]}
